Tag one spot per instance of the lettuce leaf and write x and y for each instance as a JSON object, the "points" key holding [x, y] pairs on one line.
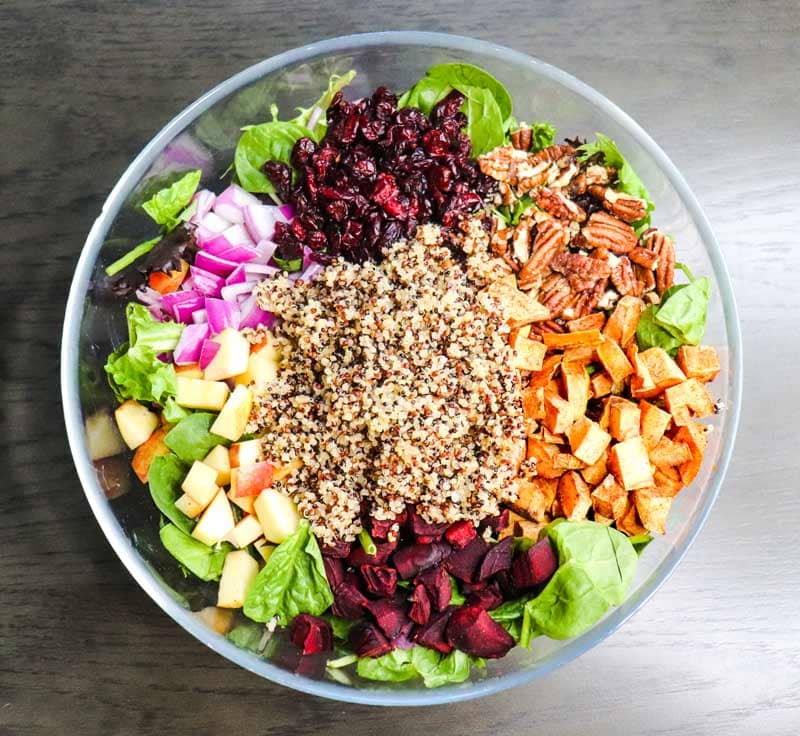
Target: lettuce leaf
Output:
{"points": [[544, 135], [134, 370], [434, 668], [335, 84], [201, 560], [166, 205], [292, 582], [191, 438], [396, 666]]}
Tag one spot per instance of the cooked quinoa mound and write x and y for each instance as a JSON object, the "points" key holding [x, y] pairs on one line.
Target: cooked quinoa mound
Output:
{"points": [[396, 387]]}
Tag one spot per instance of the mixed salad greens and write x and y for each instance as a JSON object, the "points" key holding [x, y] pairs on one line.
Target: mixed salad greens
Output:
{"points": [[198, 348]]}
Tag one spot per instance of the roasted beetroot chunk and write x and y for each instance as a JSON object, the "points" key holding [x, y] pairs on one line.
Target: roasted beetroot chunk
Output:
{"points": [[437, 584], [473, 631], [496, 523], [390, 615], [368, 641], [359, 557], [498, 559], [463, 563], [340, 549], [420, 605], [535, 566], [418, 557], [348, 601], [380, 528], [486, 598], [379, 580], [461, 533], [311, 634], [434, 634], [334, 570], [421, 528]]}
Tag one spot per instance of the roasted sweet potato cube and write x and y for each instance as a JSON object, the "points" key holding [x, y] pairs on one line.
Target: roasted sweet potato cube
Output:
{"points": [[593, 321], [524, 331], [566, 461], [687, 399], [533, 403], [512, 529], [699, 361], [630, 464], [573, 496], [542, 377], [670, 453], [535, 497], [594, 473], [614, 360], [663, 370], [587, 440], [521, 308], [694, 435], [563, 340], [653, 508], [530, 529], [543, 453], [583, 355], [624, 419], [621, 325], [609, 498], [642, 384], [604, 520], [147, 452], [528, 354], [628, 523], [668, 480], [576, 387], [559, 413], [553, 439], [600, 384], [654, 423]]}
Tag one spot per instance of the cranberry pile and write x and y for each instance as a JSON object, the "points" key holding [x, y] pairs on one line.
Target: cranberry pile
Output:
{"points": [[401, 595], [376, 175]]}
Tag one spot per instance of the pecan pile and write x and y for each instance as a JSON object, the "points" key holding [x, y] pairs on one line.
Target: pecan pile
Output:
{"points": [[574, 248]]}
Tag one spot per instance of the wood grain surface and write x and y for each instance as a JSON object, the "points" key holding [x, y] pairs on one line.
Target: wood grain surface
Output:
{"points": [[85, 84]]}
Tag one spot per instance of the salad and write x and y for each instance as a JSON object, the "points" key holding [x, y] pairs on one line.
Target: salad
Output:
{"points": [[416, 387]]}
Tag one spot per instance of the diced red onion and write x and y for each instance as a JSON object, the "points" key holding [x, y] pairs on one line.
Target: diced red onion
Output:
{"points": [[232, 201], [214, 264], [312, 272], [205, 282], [229, 293], [148, 296], [256, 317], [287, 212], [240, 254], [261, 269], [214, 223], [237, 276], [222, 314], [190, 344], [184, 312], [259, 219], [207, 353], [199, 316], [266, 249], [203, 202]]}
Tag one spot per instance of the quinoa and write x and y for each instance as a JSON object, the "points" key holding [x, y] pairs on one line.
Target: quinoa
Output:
{"points": [[396, 387]]}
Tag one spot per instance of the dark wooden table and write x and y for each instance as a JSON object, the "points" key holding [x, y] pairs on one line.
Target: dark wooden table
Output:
{"points": [[84, 85]]}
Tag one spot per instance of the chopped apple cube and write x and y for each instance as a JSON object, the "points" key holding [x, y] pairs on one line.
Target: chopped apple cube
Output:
{"points": [[630, 464], [264, 548], [201, 483], [147, 451], [135, 422], [277, 514], [252, 479], [232, 420], [218, 619], [245, 503], [188, 506], [193, 370], [245, 453], [262, 366], [231, 358], [587, 440], [699, 361], [238, 575], [247, 530], [102, 437], [195, 393], [217, 520], [219, 459]]}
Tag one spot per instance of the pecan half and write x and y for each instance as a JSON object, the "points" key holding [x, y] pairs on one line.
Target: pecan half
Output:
{"points": [[582, 271], [502, 163], [529, 176], [663, 247], [506, 193], [555, 293], [645, 275], [624, 280], [551, 238], [499, 242], [644, 257], [567, 169], [578, 185], [521, 240], [552, 153], [596, 174], [605, 231], [556, 204], [624, 206], [521, 139]]}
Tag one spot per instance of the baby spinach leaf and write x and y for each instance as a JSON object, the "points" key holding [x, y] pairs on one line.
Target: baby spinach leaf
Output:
{"points": [[649, 334], [289, 265], [247, 636], [425, 94], [543, 135], [640, 541], [341, 626], [509, 610], [272, 141], [293, 581], [165, 477], [173, 413], [166, 205], [484, 120], [683, 310], [457, 598], [461, 76], [335, 83], [191, 439], [201, 560]]}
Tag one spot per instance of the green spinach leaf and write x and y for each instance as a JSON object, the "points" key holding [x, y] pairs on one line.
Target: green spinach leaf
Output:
{"points": [[247, 636], [683, 310], [650, 334], [341, 626], [191, 438], [335, 83], [173, 413], [640, 541], [425, 94], [166, 205], [463, 76], [165, 477], [293, 581], [457, 598], [201, 560], [484, 120]]}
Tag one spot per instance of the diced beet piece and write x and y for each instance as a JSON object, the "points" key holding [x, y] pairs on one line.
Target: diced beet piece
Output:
{"points": [[473, 631], [421, 605], [496, 523], [380, 580], [503, 579], [379, 528], [437, 584], [383, 551], [348, 601], [534, 567], [427, 539], [434, 634], [405, 637], [486, 598], [418, 557], [422, 528], [463, 563], [461, 533], [390, 614], [497, 559], [340, 549], [334, 570], [367, 640], [311, 634], [467, 588]]}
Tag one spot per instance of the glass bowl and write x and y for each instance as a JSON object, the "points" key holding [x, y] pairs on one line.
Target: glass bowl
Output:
{"points": [[204, 135]]}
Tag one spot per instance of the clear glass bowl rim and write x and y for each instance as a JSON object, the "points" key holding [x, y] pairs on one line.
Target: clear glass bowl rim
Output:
{"points": [[74, 423]]}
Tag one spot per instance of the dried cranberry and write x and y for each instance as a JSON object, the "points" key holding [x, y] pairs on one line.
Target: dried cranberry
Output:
{"points": [[436, 142], [280, 175], [311, 634], [337, 209], [302, 152], [448, 107]]}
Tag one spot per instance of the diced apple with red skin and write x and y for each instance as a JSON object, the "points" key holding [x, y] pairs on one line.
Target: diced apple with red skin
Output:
{"points": [[219, 619], [245, 453], [231, 358], [201, 483], [135, 422], [219, 459], [245, 503], [277, 514], [252, 479], [215, 523], [262, 366], [102, 438], [238, 575], [143, 457], [232, 420]]}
